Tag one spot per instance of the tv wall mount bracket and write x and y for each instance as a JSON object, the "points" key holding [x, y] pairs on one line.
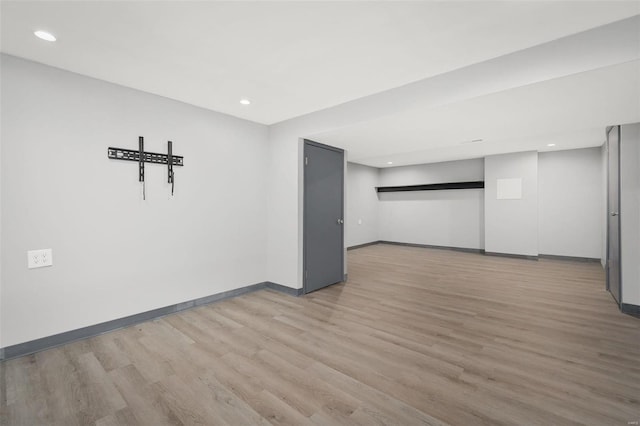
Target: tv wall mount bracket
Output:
{"points": [[141, 156]]}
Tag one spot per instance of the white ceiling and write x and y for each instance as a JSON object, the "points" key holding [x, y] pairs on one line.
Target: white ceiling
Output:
{"points": [[293, 58], [571, 112]]}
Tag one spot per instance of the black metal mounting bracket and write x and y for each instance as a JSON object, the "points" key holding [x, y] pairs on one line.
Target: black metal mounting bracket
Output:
{"points": [[141, 156]]}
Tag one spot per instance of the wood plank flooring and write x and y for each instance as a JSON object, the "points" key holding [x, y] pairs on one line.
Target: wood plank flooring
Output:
{"points": [[416, 336]]}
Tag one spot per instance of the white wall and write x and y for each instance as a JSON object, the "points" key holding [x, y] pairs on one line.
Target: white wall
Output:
{"points": [[114, 254], [361, 220], [630, 212], [450, 171], [570, 203], [511, 226], [453, 218]]}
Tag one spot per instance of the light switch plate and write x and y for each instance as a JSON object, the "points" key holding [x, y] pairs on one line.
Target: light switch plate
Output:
{"points": [[39, 258]]}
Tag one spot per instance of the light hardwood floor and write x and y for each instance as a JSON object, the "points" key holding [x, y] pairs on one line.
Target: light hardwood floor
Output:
{"points": [[417, 336]]}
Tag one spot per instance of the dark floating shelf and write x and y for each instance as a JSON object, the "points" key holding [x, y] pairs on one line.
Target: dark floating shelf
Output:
{"points": [[433, 186]]}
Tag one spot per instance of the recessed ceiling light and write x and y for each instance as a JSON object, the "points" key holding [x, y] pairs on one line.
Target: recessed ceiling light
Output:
{"points": [[389, 162], [44, 35], [472, 141], [245, 101], [551, 144]]}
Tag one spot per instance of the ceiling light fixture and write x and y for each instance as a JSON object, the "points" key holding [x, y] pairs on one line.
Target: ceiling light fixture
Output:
{"points": [[389, 162], [551, 144], [44, 35], [245, 101]]}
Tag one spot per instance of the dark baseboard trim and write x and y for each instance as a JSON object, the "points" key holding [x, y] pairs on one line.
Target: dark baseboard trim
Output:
{"points": [[572, 258], [463, 249], [372, 243], [513, 256], [481, 251], [49, 342], [284, 289], [630, 309]]}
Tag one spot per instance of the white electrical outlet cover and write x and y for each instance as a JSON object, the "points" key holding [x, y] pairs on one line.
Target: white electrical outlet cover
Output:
{"points": [[39, 258]]}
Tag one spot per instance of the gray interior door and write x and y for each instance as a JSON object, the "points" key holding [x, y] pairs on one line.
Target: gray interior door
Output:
{"points": [[613, 213], [323, 216]]}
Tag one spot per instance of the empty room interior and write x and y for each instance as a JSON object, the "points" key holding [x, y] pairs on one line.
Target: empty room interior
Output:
{"points": [[319, 213]]}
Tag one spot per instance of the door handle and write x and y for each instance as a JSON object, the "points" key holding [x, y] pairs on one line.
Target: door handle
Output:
{"points": [[614, 213], [340, 221]]}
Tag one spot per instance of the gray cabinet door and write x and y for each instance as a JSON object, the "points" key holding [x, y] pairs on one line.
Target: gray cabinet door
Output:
{"points": [[613, 212], [323, 216]]}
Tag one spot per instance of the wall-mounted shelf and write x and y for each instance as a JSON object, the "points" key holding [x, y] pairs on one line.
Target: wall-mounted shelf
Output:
{"points": [[433, 186]]}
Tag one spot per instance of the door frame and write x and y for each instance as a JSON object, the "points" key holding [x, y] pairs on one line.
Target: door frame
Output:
{"points": [[307, 142], [608, 213]]}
